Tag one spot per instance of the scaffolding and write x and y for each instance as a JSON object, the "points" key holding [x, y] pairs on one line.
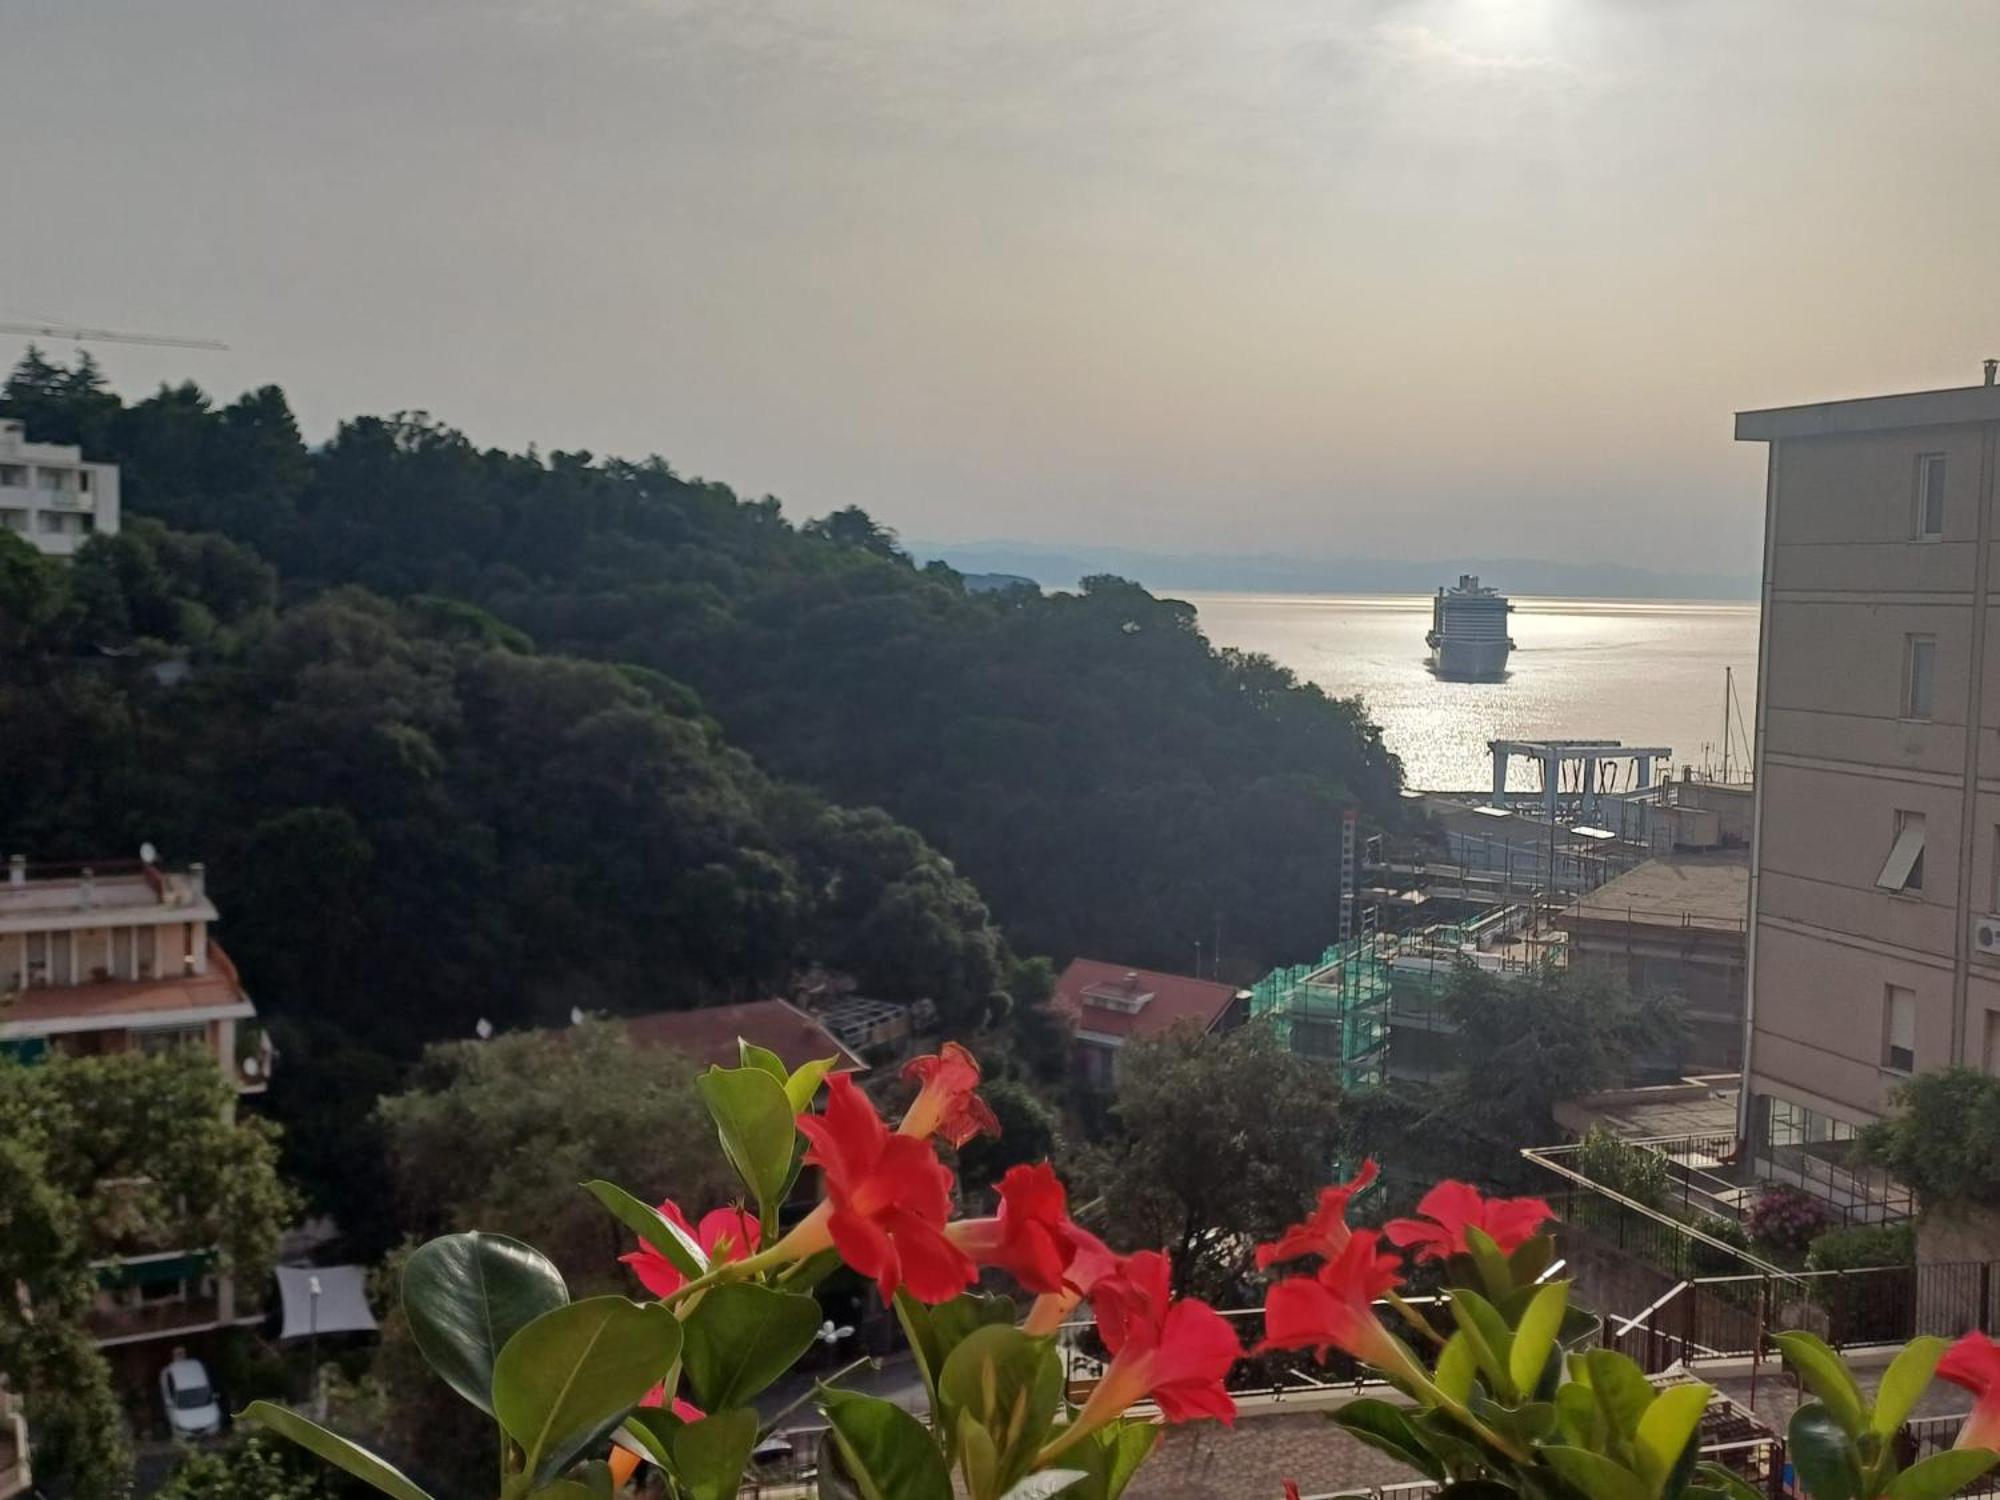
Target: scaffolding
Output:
{"points": [[1345, 1008]]}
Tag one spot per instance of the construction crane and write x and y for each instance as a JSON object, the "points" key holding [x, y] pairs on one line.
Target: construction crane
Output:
{"points": [[74, 335]]}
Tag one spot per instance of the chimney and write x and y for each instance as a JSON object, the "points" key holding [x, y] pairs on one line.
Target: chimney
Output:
{"points": [[17, 869], [197, 878], [89, 886], [1992, 366]]}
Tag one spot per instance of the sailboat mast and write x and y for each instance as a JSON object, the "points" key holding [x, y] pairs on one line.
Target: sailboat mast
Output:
{"points": [[1728, 692]]}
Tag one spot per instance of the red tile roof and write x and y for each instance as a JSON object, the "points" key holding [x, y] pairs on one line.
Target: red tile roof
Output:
{"points": [[119, 999], [710, 1035], [1099, 996]]}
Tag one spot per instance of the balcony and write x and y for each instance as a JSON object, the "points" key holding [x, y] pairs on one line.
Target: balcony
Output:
{"points": [[167, 1295]]}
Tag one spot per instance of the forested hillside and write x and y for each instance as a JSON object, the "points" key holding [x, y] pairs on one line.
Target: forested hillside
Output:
{"points": [[1106, 779], [414, 822]]}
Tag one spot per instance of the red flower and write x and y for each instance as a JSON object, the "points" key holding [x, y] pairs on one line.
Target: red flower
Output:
{"points": [[1326, 1232], [1031, 1238], [1335, 1308], [724, 1234], [946, 1104], [890, 1197], [1175, 1352], [1094, 1260], [1453, 1208], [1974, 1362], [1291, 1489]]}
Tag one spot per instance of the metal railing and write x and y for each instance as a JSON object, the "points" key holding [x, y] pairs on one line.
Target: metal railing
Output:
{"points": [[1734, 1317]]}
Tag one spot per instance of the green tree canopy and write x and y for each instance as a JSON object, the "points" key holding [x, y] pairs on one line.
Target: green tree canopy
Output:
{"points": [[1943, 1141], [1221, 1141]]}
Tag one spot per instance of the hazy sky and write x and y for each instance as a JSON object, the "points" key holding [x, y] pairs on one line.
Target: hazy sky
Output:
{"points": [[1400, 277]]}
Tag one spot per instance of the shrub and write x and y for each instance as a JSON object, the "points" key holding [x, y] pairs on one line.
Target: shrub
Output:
{"points": [[1863, 1246], [1787, 1219], [1639, 1174]]}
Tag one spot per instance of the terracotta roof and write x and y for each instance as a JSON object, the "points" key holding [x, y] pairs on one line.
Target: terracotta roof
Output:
{"points": [[710, 1035], [109, 1002], [1121, 1001]]}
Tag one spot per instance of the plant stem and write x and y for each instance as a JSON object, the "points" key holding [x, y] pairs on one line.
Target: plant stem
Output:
{"points": [[1414, 1318]]}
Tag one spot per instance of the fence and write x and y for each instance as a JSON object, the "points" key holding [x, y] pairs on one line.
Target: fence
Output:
{"points": [[1714, 1317]]}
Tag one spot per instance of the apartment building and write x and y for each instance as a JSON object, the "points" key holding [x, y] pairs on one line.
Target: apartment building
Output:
{"points": [[50, 495], [1874, 950], [97, 960]]}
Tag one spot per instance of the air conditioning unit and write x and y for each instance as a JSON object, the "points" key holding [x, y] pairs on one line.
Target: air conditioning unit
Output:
{"points": [[1986, 936]]}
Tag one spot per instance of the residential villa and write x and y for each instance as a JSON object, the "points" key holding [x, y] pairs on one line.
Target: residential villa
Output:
{"points": [[101, 959]]}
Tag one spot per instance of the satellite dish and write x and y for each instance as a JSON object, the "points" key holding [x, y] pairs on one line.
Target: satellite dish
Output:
{"points": [[483, 1029], [148, 855], [576, 1015], [251, 1067]]}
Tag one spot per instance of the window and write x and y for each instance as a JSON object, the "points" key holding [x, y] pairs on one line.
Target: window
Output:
{"points": [[1899, 1028], [13, 520], [1903, 870], [1929, 509], [14, 475], [1919, 675], [157, 1039], [83, 479]]}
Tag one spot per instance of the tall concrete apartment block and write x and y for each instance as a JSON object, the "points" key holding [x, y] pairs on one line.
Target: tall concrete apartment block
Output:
{"points": [[51, 495], [1875, 884]]}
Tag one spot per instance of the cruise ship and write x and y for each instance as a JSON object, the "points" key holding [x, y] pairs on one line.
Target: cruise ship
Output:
{"points": [[1468, 637]]}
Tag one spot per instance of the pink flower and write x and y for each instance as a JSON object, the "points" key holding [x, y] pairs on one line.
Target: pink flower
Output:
{"points": [[946, 1104], [1454, 1207], [1974, 1362], [724, 1234], [623, 1460], [1326, 1232]]}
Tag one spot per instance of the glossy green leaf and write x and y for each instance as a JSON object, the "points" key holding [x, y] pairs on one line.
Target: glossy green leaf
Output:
{"points": [[1384, 1426], [1048, 1482], [1531, 1258], [1666, 1429], [741, 1338], [1594, 1474], [1941, 1475], [883, 1450], [1578, 1415], [750, 1055], [1488, 1337], [591, 1481], [1822, 1454], [1904, 1383], [652, 1226], [934, 1331], [802, 1085], [564, 1377], [1495, 1274], [1724, 1483], [466, 1295], [1457, 1368], [1011, 1384], [1110, 1457], [1623, 1393], [1535, 1338], [348, 1457], [833, 1481], [757, 1128], [1824, 1374], [709, 1456]]}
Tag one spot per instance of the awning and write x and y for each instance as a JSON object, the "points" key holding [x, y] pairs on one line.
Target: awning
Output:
{"points": [[340, 1307]]}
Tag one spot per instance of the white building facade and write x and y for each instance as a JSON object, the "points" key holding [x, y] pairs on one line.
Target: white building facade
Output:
{"points": [[50, 495]]}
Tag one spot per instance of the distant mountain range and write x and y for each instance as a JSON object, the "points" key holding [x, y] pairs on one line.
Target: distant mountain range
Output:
{"points": [[1271, 573]]}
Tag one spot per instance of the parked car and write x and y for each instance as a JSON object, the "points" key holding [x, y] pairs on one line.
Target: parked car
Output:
{"points": [[193, 1409]]}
